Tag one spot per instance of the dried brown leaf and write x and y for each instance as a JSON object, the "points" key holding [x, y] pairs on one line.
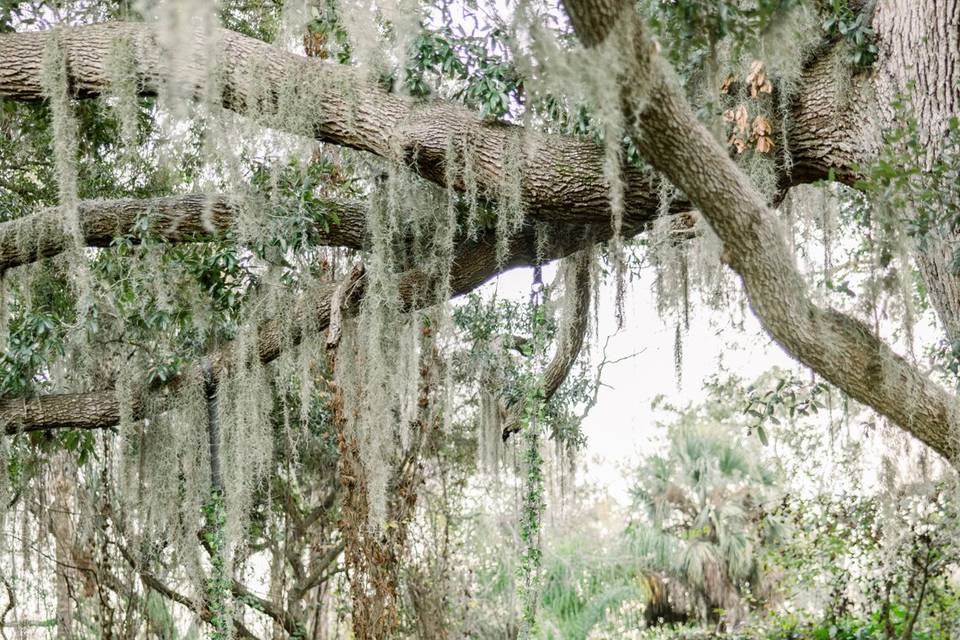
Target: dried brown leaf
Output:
{"points": [[757, 79], [738, 143], [762, 126], [725, 87], [741, 119]]}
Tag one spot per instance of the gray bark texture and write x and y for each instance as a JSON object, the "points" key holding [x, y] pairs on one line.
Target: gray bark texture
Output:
{"points": [[841, 349]]}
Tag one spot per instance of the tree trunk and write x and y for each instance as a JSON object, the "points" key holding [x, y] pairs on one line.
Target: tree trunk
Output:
{"points": [[920, 60], [60, 523]]}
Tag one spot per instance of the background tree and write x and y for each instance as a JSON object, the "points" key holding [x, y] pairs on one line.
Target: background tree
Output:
{"points": [[705, 520]]}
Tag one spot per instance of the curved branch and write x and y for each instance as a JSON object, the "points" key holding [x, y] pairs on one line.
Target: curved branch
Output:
{"points": [[838, 347], [474, 264], [569, 344]]}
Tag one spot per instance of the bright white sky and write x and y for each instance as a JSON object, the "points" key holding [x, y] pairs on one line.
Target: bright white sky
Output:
{"points": [[622, 427]]}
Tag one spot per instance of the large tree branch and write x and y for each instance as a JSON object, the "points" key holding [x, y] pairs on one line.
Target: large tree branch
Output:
{"points": [[838, 347], [561, 177], [186, 218], [474, 264]]}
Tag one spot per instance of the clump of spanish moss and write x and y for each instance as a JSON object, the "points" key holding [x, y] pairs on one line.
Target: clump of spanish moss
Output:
{"points": [[510, 213], [56, 89], [124, 90]]}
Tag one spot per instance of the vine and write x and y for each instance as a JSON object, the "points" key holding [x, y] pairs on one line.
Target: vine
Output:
{"points": [[218, 583], [215, 523], [531, 557]]}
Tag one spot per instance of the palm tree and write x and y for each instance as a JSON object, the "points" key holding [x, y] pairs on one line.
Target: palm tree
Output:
{"points": [[703, 522]]}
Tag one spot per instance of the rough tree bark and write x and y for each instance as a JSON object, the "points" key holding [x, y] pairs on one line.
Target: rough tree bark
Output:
{"points": [[840, 348], [175, 219], [474, 264], [562, 181]]}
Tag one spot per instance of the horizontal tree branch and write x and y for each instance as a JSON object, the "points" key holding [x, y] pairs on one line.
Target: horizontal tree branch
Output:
{"points": [[561, 177], [185, 218], [474, 264]]}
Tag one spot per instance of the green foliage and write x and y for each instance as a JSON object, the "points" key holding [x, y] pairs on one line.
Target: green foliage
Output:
{"points": [[500, 335], [476, 64], [910, 187], [854, 28], [582, 587], [790, 398], [326, 34], [218, 588], [531, 512], [913, 189], [704, 516], [693, 28]]}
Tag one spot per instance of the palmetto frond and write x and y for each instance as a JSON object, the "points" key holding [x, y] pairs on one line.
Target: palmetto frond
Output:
{"points": [[701, 514]]}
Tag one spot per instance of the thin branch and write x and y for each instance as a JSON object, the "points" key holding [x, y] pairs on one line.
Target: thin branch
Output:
{"points": [[152, 582], [598, 378], [562, 177]]}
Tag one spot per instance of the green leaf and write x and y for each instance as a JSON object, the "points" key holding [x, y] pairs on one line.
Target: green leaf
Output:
{"points": [[762, 434]]}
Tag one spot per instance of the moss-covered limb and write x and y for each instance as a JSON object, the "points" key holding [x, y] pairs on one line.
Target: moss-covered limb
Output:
{"points": [[569, 344], [562, 178], [375, 542], [92, 410], [474, 263], [288, 622], [830, 126], [186, 218], [841, 349], [224, 586]]}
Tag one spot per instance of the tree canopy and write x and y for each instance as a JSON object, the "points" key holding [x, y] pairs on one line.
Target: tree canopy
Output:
{"points": [[251, 384]]}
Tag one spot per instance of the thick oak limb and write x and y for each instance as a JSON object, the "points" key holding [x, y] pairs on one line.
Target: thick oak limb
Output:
{"points": [[185, 218], [474, 264], [561, 177], [92, 410], [840, 348]]}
